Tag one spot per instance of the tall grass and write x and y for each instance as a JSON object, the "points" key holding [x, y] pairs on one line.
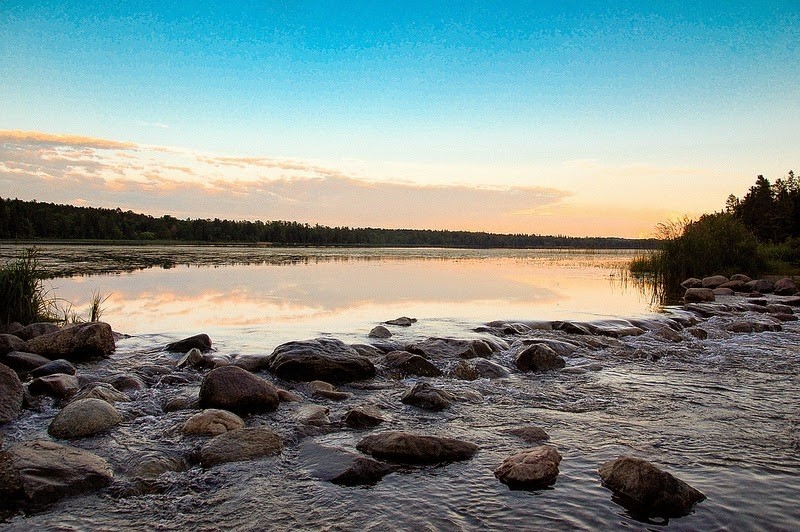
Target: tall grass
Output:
{"points": [[23, 297]]}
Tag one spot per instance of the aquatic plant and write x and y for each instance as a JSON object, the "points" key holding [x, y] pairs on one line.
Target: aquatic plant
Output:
{"points": [[23, 297]]}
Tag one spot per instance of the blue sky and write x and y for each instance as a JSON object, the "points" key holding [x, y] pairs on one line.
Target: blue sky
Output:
{"points": [[637, 110]]}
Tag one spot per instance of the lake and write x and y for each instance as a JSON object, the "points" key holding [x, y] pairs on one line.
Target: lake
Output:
{"points": [[718, 409]]}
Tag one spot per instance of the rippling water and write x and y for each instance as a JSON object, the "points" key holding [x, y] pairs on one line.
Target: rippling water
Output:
{"points": [[721, 414]]}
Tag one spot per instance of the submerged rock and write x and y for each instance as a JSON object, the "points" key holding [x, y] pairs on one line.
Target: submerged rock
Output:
{"points": [[530, 469], [315, 415], [363, 417], [84, 417], [240, 445], [406, 447], [39, 472], [201, 342], [479, 368], [11, 394], [410, 364], [84, 340], [212, 421], [648, 489], [326, 390], [538, 357], [99, 390], [423, 395], [380, 332], [324, 359], [340, 466], [402, 321], [232, 388], [530, 434]]}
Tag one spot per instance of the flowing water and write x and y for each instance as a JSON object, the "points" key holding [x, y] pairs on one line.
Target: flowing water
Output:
{"points": [[720, 413]]}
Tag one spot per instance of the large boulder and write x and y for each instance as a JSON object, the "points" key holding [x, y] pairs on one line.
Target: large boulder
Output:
{"points": [[538, 357], [36, 329], [698, 295], [648, 489], [714, 281], [9, 343], [324, 359], [39, 472], [78, 341], [54, 366], [692, 282], [232, 388], [240, 445], [406, 363], [11, 394], [212, 421], [530, 469], [423, 395], [763, 286], [785, 287], [380, 332], [406, 447], [57, 385], [84, 417], [23, 362], [199, 341]]}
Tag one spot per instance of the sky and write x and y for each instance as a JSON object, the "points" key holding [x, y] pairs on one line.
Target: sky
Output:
{"points": [[564, 117]]}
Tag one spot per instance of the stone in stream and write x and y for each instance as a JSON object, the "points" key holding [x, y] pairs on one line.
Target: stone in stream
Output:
{"points": [[23, 362], [449, 348], [698, 295], [324, 359], [55, 366], [785, 287], [11, 394], [530, 434], [315, 415], [58, 385], [212, 421], [530, 469], [762, 286], [36, 329], [101, 390], [79, 341], [363, 417], [240, 445], [409, 448], [402, 321], [39, 472], [84, 417], [380, 332], [736, 286], [740, 277], [9, 343], [341, 467], [647, 489], [538, 357], [479, 368], [423, 395], [232, 388], [714, 281], [692, 282], [198, 341], [410, 364], [192, 359]]}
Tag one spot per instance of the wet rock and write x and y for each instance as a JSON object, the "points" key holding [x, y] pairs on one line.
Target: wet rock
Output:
{"points": [[692, 282], [792, 302], [84, 417], [538, 357], [652, 491], [363, 471], [154, 464], [668, 335], [448, 348], [9, 343], [58, 385], [23, 362], [714, 281], [530, 434], [777, 308], [286, 396], [562, 348], [402, 321], [52, 367], [479, 368], [240, 445], [192, 359], [340, 466], [363, 417], [181, 402], [785, 287], [101, 390], [323, 359], [723, 292], [315, 415], [380, 332], [736, 286], [571, 328], [406, 447], [698, 295], [11, 394], [202, 342], [530, 469], [762, 286], [127, 383], [36, 329], [212, 421], [782, 316], [752, 327], [39, 472], [232, 388], [614, 328], [374, 351], [252, 363], [76, 342], [423, 395], [740, 277], [326, 390], [407, 363], [699, 333]]}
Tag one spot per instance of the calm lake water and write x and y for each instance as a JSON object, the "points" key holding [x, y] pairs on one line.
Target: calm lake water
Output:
{"points": [[720, 413]]}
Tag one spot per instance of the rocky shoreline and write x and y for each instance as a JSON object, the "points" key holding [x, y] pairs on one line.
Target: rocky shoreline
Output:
{"points": [[67, 375]]}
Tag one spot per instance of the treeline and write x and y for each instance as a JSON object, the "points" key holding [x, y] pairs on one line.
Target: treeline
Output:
{"points": [[771, 211], [23, 220]]}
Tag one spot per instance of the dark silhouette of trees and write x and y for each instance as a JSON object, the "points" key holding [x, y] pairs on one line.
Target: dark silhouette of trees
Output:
{"points": [[770, 210]]}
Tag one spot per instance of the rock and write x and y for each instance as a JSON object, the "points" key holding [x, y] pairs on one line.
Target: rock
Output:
{"points": [[530, 434], [777, 308], [782, 316], [411, 448], [101, 390], [698, 295], [478, 368], [323, 359], [23, 362], [127, 383], [326, 390], [286, 396], [78, 341], [402, 321], [51, 368], [669, 335], [9, 343], [240, 445], [181, 402], [448, 348], [212, 421], [58, 385], [655, 492], [762, 286], [363, 417], [199, 341], [752, 327], [723, 292], [315, 415], [740, 277], [571, 328], [363, 471], [154, 464], [252, 363], [736, 286], [530, 469], [11, 394], [714, 281], [40, 472], [792, 302], [697, 332], [784, 287], [36, 329], [232, 388], [380, 332], [692, 282], [538, 357], [340, 466], [192, 359], [423, 395], [410, 364], [84, 417]]}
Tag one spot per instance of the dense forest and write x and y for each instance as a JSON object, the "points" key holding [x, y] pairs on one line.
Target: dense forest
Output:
{"points": [[771, 211], [25, 220]]}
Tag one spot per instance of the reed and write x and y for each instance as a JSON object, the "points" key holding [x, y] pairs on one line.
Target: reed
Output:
{"points": [[23, 297]]}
